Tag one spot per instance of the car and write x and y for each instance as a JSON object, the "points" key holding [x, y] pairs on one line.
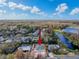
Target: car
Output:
{"points": [[39, 50]]}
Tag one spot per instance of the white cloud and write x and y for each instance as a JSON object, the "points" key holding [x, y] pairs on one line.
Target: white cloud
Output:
{"points": [[18, 6], [12, 5], [2, 12], [61, 8], [34, 9], [14, 15], [42, 13], [2, 1], [31, 9], [74, 11], [18, 15]]}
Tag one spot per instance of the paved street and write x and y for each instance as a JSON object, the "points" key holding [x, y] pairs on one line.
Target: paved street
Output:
{"points": [[66, 57]]}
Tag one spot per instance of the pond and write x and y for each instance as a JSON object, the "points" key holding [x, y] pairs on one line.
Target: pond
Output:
{"points": [[71, 30], [64, 40]]}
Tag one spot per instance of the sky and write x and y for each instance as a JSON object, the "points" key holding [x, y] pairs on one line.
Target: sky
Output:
{"points": [[39, 9]]}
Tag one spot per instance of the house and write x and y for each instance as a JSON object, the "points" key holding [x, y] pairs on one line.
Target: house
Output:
{"points": [[23, 31], [35, 34], [26, 39], [51, 47], [1, 39], [12, 27], [1, 34], [35, 38], [8, 41], [25, 48]]}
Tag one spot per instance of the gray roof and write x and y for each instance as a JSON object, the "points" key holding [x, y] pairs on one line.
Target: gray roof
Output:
{"points": [[25, 47]]}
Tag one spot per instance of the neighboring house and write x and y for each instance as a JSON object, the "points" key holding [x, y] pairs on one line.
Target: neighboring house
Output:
{"points": [[51, 56], [12, 27], [51, 47], [42, 33], [1, 34], [35, 34], [23, 31], [25, 48], [35, 38], [1, 39], [8, 41], [26, 39], [17, 39]]}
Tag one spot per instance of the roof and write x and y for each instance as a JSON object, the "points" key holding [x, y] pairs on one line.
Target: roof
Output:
{"points": [[8, 41], [53, 47], [25, 47]]}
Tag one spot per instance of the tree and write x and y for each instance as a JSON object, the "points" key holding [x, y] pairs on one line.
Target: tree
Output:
{"points": [[19, 55], [3, 57], [10, 56]]}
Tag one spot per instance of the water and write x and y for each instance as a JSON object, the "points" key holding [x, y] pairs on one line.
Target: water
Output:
{"points": [[71, 30], [64, 40]]}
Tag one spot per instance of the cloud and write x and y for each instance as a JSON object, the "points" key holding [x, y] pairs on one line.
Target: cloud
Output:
{"points": [[33, 9], [74, 11], [61, 8], [2, 1], [42, 13], [2, 12], [36, 10], [18, 15], [14, 15], [20, 6], [13, 5]]}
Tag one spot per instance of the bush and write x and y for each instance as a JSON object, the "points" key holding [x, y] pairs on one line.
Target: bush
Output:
{"points": [[10, 56], [3, 56], [9, 47]]}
